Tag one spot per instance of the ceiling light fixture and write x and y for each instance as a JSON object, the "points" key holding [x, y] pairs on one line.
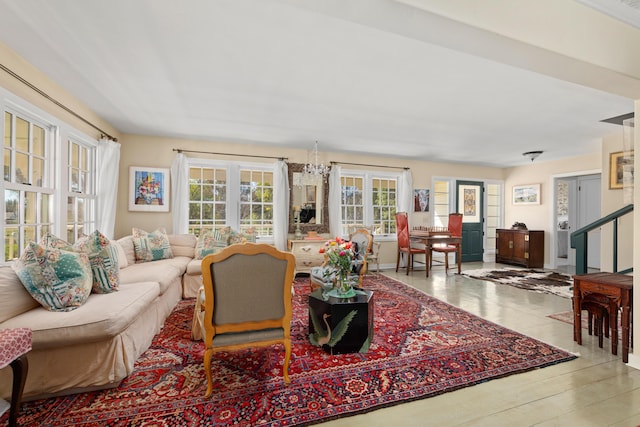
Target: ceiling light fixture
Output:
{"points": [[532, 154], [318, 169]]}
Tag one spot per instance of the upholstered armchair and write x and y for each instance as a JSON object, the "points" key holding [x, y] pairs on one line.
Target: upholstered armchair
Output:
{"points": [[364, 236], [247, 301]]}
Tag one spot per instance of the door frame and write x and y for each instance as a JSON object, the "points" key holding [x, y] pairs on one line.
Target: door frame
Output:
{"points": [[553, 260], [489, 253]]}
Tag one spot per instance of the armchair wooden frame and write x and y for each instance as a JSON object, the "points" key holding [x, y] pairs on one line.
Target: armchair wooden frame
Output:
{"points": [[247, 301]]}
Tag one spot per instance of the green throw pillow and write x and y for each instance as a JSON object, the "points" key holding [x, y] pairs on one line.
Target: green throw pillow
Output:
{"points": [[103, 257], [151, 246], [59, 279]]}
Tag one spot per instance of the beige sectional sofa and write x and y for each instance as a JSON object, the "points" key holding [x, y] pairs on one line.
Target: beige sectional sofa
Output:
{"points": [[95, 346]]}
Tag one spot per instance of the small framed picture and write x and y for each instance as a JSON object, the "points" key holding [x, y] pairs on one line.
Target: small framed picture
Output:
{"points": [[526, 194], [620, 169], [149, 189]]}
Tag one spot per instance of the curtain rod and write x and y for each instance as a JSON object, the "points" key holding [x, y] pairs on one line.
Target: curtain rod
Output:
{"points": [[180, 150], [56, 102], [368, 165]]}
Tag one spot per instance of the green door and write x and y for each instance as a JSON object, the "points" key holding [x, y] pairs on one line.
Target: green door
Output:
{"points": [[469, 203]]}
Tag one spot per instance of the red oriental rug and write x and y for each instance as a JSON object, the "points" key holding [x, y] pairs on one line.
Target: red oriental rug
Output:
{"points": [[421, 347]]}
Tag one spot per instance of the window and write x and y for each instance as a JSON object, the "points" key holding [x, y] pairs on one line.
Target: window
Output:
{"points": [[369, 199], [441, 203], [40, 173], [81, 198], [230, 194], [28, 191], [494, 215]]}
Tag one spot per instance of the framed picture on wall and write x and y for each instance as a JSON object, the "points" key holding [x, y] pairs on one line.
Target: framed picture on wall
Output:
{"points": [[526, 194], [148, 189], [620, 169]]}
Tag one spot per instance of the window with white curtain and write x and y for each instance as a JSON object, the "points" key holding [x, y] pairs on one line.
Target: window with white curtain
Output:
{"points": [[231, 194], [39, 171], [81, 197], [369, 199]]}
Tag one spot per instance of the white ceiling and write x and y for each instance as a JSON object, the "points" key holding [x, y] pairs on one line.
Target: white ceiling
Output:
{"points": [[274, 72]]}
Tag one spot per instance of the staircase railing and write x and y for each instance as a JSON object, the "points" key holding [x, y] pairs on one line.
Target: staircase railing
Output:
{"points": [[579, 239]]}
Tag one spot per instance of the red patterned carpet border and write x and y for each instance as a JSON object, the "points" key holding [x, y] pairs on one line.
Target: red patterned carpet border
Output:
{"points": [[421, 347]]}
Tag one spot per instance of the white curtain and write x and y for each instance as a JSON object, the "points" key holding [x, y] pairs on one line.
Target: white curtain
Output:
{"points": [[405, 192], [108, 168], [335, 201], [180, 194], [281, 205]]}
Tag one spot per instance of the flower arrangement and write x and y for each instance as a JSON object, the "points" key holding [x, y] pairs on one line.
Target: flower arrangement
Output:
{"points": [[340, 255]]}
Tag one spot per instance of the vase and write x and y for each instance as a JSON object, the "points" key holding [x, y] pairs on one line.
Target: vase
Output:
{"points": [[343, 286]]}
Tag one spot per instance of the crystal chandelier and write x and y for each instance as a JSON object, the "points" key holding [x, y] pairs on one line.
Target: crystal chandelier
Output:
{"points": [[318, 170]]}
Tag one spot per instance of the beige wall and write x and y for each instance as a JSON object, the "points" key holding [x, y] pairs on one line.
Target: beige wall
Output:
{"points": [[540, 217], [139, 150]]}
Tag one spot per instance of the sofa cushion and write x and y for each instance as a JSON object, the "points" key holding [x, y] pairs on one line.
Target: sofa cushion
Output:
{"points": [[103, 258], [151, 246], [164, 272], [183, 244], [14, 298], [123, 262], [127, 246], [242, 237], [103, 316], [59, 279], [210, 242]]}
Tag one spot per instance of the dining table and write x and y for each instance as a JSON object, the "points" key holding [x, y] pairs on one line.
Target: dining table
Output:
{"points": [[430, 238]]}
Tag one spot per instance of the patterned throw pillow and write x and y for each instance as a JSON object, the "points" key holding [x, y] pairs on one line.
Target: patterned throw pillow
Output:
{"points": [[103, 257], [209, 242], [55, 275], [244, 237], [151, 246]]}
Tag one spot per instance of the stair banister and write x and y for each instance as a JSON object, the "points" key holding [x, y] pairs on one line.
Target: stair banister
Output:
{"points": [[579, 239]]}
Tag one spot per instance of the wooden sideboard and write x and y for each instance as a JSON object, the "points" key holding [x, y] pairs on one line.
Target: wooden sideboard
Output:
{"points": [[306, 253], [520, 247]]}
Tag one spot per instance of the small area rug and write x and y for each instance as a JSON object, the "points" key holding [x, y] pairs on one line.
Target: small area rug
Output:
{"points": [[549, 282], [567, 317], [421, 347]]}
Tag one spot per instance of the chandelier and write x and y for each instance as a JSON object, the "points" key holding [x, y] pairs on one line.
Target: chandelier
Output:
{"points": [[318, 170]]}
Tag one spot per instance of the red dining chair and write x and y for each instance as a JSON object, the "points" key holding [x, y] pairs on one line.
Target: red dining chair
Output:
{"points": [[455, 229], [404, 242]]}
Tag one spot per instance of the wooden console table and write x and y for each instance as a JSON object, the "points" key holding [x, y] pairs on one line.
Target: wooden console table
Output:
{"points": [[619, 289]]}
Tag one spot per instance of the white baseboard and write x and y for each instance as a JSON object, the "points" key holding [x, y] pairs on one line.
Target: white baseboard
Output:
{"points": [[634, 361]]}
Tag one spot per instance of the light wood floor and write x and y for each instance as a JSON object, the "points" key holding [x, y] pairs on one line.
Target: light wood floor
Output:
{"points": [[596, 389]]}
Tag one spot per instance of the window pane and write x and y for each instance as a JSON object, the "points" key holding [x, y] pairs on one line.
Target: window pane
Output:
{"points": [[30, 207], [12, 207], [11, 243], [22, 135], [38, 172], [45, 209], [7, 165], [71, 210], [22, 168], [38, 141]]}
